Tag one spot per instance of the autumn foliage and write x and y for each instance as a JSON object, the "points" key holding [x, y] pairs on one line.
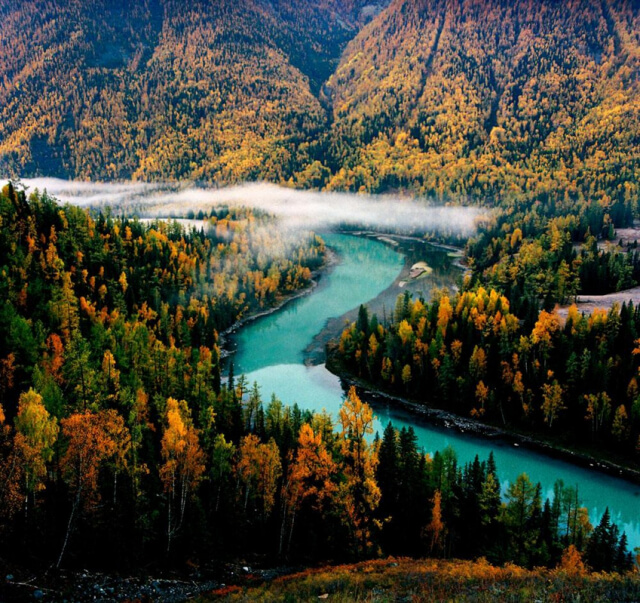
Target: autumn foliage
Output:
{"points": [[472, 355], [116, 427], [474, 100], [432, 581]]}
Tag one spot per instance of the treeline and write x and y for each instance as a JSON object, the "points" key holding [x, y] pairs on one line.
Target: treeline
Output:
{"points": [[77, 290], [101, 316], [161, 483], [574, 379], [469, 518], [80, 295]]}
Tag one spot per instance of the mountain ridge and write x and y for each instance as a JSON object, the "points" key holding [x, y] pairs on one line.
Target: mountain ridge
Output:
{"points": [[441, 97]]}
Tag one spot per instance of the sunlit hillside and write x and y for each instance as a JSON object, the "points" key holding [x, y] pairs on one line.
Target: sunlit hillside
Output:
{"points": [[474, 98], [488, 97]]}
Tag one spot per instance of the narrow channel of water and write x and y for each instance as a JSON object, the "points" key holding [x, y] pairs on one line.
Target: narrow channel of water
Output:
{"points": [[270, 351]]}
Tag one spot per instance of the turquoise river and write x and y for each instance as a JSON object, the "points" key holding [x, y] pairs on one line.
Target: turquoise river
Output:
{"points": [[271, 352]]}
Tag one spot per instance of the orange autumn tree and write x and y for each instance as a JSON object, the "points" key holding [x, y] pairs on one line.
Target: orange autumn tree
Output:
{"points": [[310, 478], [259, 468], [359, 492], [571, 562], [436, 527], [7, 370], [118, 462], [183, 462], [54, 358], [93, 438], [36, 433]]}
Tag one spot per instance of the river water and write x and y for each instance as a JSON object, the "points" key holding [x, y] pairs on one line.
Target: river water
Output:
{"points": [[271, 352]]}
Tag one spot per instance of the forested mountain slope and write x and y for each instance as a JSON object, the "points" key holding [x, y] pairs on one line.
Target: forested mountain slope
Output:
{"points": [[483, 97], [160, 89], [477, 97]]}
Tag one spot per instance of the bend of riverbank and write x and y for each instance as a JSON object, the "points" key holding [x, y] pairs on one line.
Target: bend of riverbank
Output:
{"points": [[330, 262], [454, 251], [449, 420], [414, 249], [271, 353]]}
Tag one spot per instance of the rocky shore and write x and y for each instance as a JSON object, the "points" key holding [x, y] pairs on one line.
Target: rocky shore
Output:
{"points": [[83, 586]]}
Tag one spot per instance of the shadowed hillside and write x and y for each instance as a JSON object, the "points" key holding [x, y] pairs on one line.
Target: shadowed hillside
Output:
{"points": [[162, 90]]}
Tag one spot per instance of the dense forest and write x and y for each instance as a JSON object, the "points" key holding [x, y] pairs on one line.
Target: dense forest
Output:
{"points": [[116, 428], [501, 351], [573, 379], [479, 100], [487, 99], [223, 91]]}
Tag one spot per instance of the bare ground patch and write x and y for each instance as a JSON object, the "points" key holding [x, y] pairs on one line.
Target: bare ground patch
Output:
{"points": [[588, 303]]}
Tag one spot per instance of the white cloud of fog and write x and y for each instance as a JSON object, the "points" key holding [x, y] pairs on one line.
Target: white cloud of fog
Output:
{"points": [[295, 209], [94, 194]]}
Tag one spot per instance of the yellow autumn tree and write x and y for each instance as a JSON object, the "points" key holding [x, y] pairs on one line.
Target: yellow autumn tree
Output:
{"points": [[259, 468], [445, 312], [36, 433], [183, 462], [436, 528], [546, 326], [552, 402], [359, 493]]}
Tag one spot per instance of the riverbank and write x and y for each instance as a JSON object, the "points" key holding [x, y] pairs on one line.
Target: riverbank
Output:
{"points": [[449, 420], [454, 252], [271, 352], [330, 262], [414, 249], [319, 351]]}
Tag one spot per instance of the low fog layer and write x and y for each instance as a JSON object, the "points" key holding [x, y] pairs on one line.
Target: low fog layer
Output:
{"points": [[296, 209]]}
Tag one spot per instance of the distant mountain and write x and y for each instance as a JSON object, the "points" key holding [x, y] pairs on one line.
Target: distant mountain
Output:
{"points": [[483, 96], [466, 96], [166, 89]]}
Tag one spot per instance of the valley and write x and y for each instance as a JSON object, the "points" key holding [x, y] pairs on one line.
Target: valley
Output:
{"points": [[295, 284]]}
